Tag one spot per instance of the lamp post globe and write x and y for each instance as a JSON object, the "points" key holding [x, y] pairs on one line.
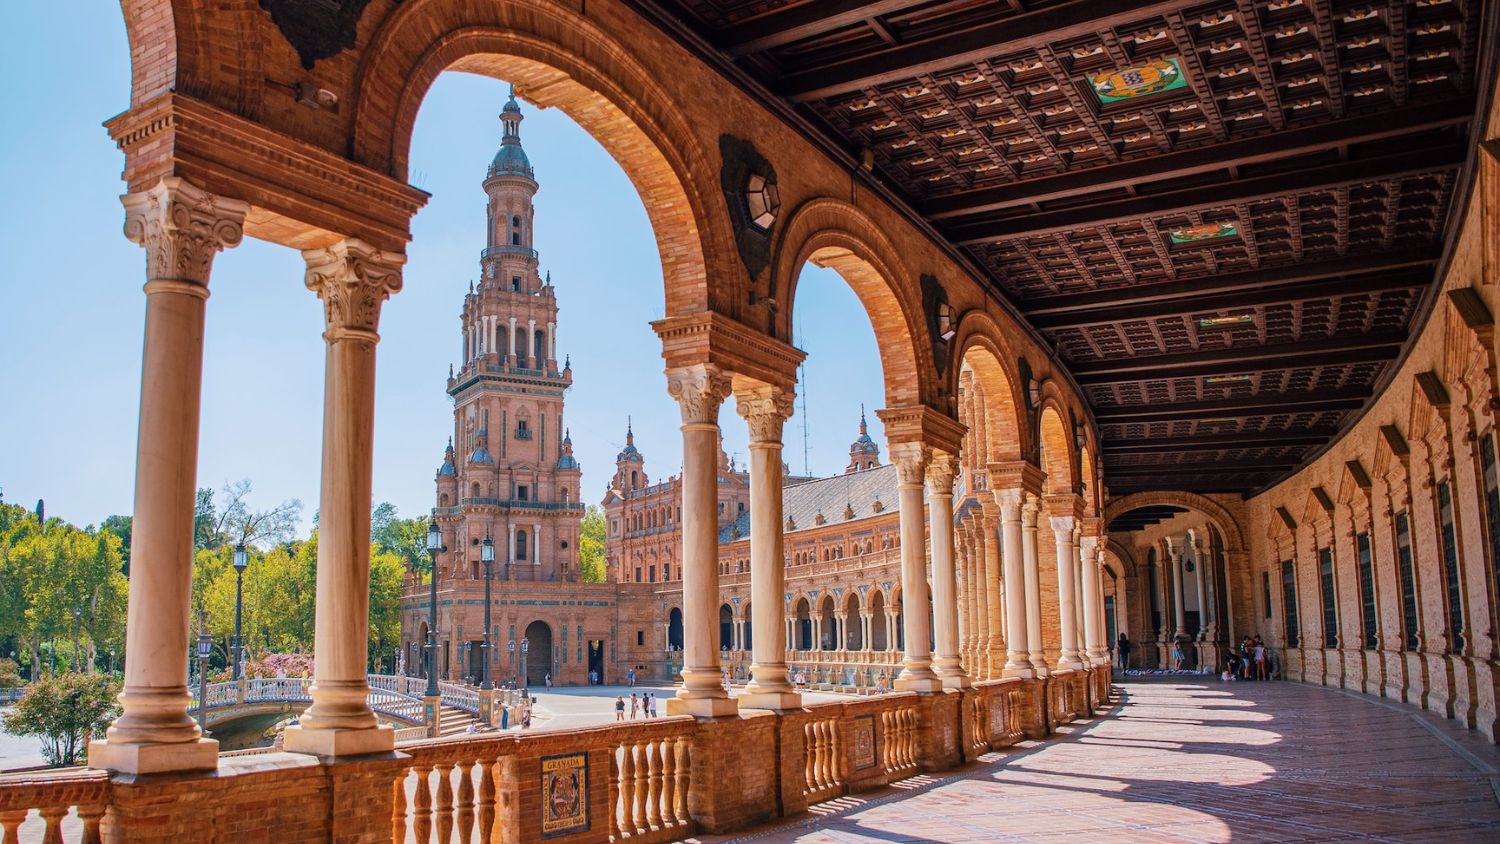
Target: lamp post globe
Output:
{"points": [[487, 556], [434, 547], [241, 562]]}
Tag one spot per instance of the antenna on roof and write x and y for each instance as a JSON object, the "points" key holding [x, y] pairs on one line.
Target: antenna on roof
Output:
{"points": [[802, 377]]}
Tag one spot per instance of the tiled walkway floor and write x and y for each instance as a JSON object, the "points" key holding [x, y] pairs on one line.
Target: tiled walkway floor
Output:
{"points": [[1199, 762]]}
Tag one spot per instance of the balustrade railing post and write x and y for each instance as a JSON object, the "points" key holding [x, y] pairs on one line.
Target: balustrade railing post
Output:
{"points": [[486, 800], [398, 808], [422, 804], [627, 789], [444, 803]]}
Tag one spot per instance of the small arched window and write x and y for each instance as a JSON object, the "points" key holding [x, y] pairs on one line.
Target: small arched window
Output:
{"points": [[515, 231], [520, 544], [474, 490], [565, 495]]}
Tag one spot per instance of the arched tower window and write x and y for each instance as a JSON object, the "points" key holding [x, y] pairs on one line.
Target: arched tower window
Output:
{"points": [[515, 231], [520, 544]]}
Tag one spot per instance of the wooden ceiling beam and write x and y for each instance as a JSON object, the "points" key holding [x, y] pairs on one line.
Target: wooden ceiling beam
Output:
{"points": [[1272, 404], [1236, 300], [1216, 442], [1288, 143], [798, 21], [1329, 351], [1202, 198], [1206, 467], [945, 52], [1304, 271]]}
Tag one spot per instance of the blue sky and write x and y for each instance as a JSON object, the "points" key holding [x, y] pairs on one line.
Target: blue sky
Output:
{"points": [[72, 311]]}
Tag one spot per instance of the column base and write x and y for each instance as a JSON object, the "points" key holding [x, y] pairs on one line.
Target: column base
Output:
{"points": [[334, 742], [959, 680], [198, 755], [1025, 672], [702, 707], [918, 680], [1065, 663], [777, 701]]}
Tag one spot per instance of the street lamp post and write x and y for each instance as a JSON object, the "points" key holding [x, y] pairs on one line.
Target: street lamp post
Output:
{"points": [[434, 547], [77, 620], [487, 556], [205, 647], [241, 561], [525, 647]]}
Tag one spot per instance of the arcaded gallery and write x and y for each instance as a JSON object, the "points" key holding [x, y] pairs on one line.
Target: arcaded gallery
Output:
{"points": [[1185, 525]]}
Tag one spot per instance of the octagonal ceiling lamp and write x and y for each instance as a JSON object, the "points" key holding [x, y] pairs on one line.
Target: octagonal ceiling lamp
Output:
{"points": [[762, 199]]}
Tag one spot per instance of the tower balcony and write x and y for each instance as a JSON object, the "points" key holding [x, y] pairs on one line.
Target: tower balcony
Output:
{"points": [[507, 249]]}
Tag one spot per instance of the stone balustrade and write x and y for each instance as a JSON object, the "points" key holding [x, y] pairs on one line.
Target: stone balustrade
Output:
{"points": [[655, 781]]}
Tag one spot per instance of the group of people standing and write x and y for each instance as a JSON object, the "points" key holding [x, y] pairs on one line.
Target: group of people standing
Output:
{"points": [[1249, 661], [639, 705]]}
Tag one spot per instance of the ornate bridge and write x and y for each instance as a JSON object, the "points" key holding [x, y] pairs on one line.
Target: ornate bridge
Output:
{"points": [[394, 697]]}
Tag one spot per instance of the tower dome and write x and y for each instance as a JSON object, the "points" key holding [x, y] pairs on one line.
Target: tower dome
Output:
{"points": [[511, 160]]}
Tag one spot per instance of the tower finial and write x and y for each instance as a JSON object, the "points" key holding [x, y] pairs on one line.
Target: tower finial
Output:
{"points": [[629, 431], [863, 428]]}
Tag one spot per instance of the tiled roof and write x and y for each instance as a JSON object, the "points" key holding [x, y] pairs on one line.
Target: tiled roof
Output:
{"points": [[831, 497]]}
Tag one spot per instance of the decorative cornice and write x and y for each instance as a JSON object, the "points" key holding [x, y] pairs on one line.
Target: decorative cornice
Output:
{"points": [[1017, 474], [181, 226], [353, 279], [921, 424], [305, 196], [732, 346]]}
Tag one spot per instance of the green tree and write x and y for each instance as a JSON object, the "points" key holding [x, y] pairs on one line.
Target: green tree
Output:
{"points": [[591, 545], [63, 711], [387, 573], [10, 674]]}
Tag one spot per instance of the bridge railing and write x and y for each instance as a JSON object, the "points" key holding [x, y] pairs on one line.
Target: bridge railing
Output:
{"points": [[460, 697]]}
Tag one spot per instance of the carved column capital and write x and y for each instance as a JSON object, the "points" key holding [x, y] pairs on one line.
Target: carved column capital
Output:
{"points": [[182, 227], [1062, 525], [1089, 545], [910, 459], [1010, 501], [765, 410], [353, 279], [699, 390], [1030, 507], [941, 470]]}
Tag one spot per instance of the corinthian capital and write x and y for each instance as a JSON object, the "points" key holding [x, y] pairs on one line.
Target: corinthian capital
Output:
{"points": [[940, 472], [1062, 525], [353, 279], [1010, 501], [910, 459], [765, 410], [699, 390], [181, 227]]}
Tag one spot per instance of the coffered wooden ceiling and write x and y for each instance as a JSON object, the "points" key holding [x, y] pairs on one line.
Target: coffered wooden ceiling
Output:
{"points": [[1227, 217]]}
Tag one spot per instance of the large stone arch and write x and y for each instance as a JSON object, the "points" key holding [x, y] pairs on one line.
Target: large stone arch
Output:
{"points": [[979, 350], [168, 36], [556, 58], [832, 233], [1054, 434], [1228, 526]]}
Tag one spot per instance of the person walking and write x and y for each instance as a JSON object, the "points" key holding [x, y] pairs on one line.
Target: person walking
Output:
{"points": [[1176, 656], [1122, 647], [619, 708], [630, 678]]}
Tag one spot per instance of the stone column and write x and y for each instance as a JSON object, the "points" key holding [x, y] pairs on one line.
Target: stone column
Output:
{"points": [[1038, 657], [947, 665], [969, 612], [993, 645], [353, 279], [1017, 584], [531, 343], [699, 391], [512, 335], [1078, 604], [181, 228], [911, 465], [551, 341], [1198, 562], [1067, 561], [1174, 555], [1093, 635]]}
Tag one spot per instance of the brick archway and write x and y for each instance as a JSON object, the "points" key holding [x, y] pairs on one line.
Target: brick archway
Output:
{"points": [[834, 234], [1229, 527], [1005, 438], [557, 58]]}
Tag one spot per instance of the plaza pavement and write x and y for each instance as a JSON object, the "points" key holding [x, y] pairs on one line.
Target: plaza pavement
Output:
{"points": [[1197, 761]]}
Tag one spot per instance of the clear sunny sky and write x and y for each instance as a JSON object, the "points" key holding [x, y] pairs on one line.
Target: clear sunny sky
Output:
{"points": [[72, 310]]}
